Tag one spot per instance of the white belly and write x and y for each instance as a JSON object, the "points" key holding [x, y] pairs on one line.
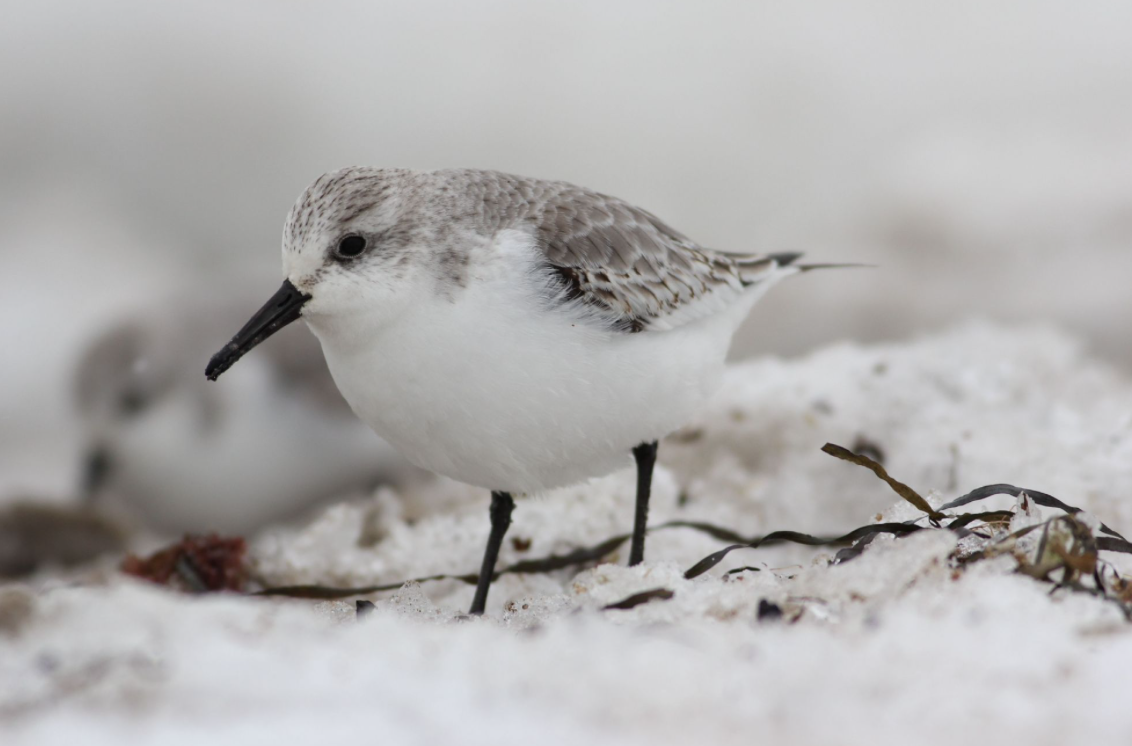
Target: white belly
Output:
{"points": [[493, 389]]}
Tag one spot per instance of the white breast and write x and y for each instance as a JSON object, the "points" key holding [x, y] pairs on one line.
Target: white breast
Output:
{"points": [[493, 388]]}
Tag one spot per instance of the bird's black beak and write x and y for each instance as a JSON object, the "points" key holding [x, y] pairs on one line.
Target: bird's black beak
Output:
{"points": [[283, 308]]}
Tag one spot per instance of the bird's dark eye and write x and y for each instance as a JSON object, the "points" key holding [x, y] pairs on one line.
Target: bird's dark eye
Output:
{"points": [[351, 246]]}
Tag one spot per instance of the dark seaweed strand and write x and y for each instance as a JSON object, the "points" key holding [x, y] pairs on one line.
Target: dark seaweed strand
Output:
{"points": [[597, 552], [1041, 498], [854, 544]]}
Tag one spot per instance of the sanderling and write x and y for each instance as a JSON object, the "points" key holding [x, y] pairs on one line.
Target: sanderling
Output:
{"points": [[177, 455], [510, 333]]}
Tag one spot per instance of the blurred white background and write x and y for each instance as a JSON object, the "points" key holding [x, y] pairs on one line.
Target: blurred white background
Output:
{"points": [[980, 154]]}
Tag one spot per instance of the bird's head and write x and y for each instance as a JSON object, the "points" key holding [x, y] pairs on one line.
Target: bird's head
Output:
{"points": [[354, 248]]}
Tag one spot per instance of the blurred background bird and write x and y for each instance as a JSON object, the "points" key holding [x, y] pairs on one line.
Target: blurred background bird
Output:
{"points": [[179, 456]]}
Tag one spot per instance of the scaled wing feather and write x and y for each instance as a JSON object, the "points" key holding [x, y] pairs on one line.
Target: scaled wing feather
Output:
{"points": [[630, 267]]}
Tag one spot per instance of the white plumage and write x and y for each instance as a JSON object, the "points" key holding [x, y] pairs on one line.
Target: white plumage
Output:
{"points": [[502, 389]]}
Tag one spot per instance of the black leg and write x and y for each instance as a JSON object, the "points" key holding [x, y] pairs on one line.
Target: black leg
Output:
{"points": [[645, 454], [501, 507]]}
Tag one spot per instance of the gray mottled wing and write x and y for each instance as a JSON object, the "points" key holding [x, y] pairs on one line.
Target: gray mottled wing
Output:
{"points": [[631, 268]]}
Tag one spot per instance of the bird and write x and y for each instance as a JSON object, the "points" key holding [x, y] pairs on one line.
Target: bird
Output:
{"points": [[170, 454], [512, 333]]}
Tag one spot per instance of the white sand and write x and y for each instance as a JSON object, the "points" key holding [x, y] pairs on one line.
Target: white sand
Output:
{"points": [[895, 647]]}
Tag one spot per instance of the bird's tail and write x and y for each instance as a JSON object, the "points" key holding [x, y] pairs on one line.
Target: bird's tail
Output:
{"points": [[756, 269], [788, 259]]}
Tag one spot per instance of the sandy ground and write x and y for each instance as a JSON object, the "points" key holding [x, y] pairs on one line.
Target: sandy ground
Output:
{"points": [[902, 644]]}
